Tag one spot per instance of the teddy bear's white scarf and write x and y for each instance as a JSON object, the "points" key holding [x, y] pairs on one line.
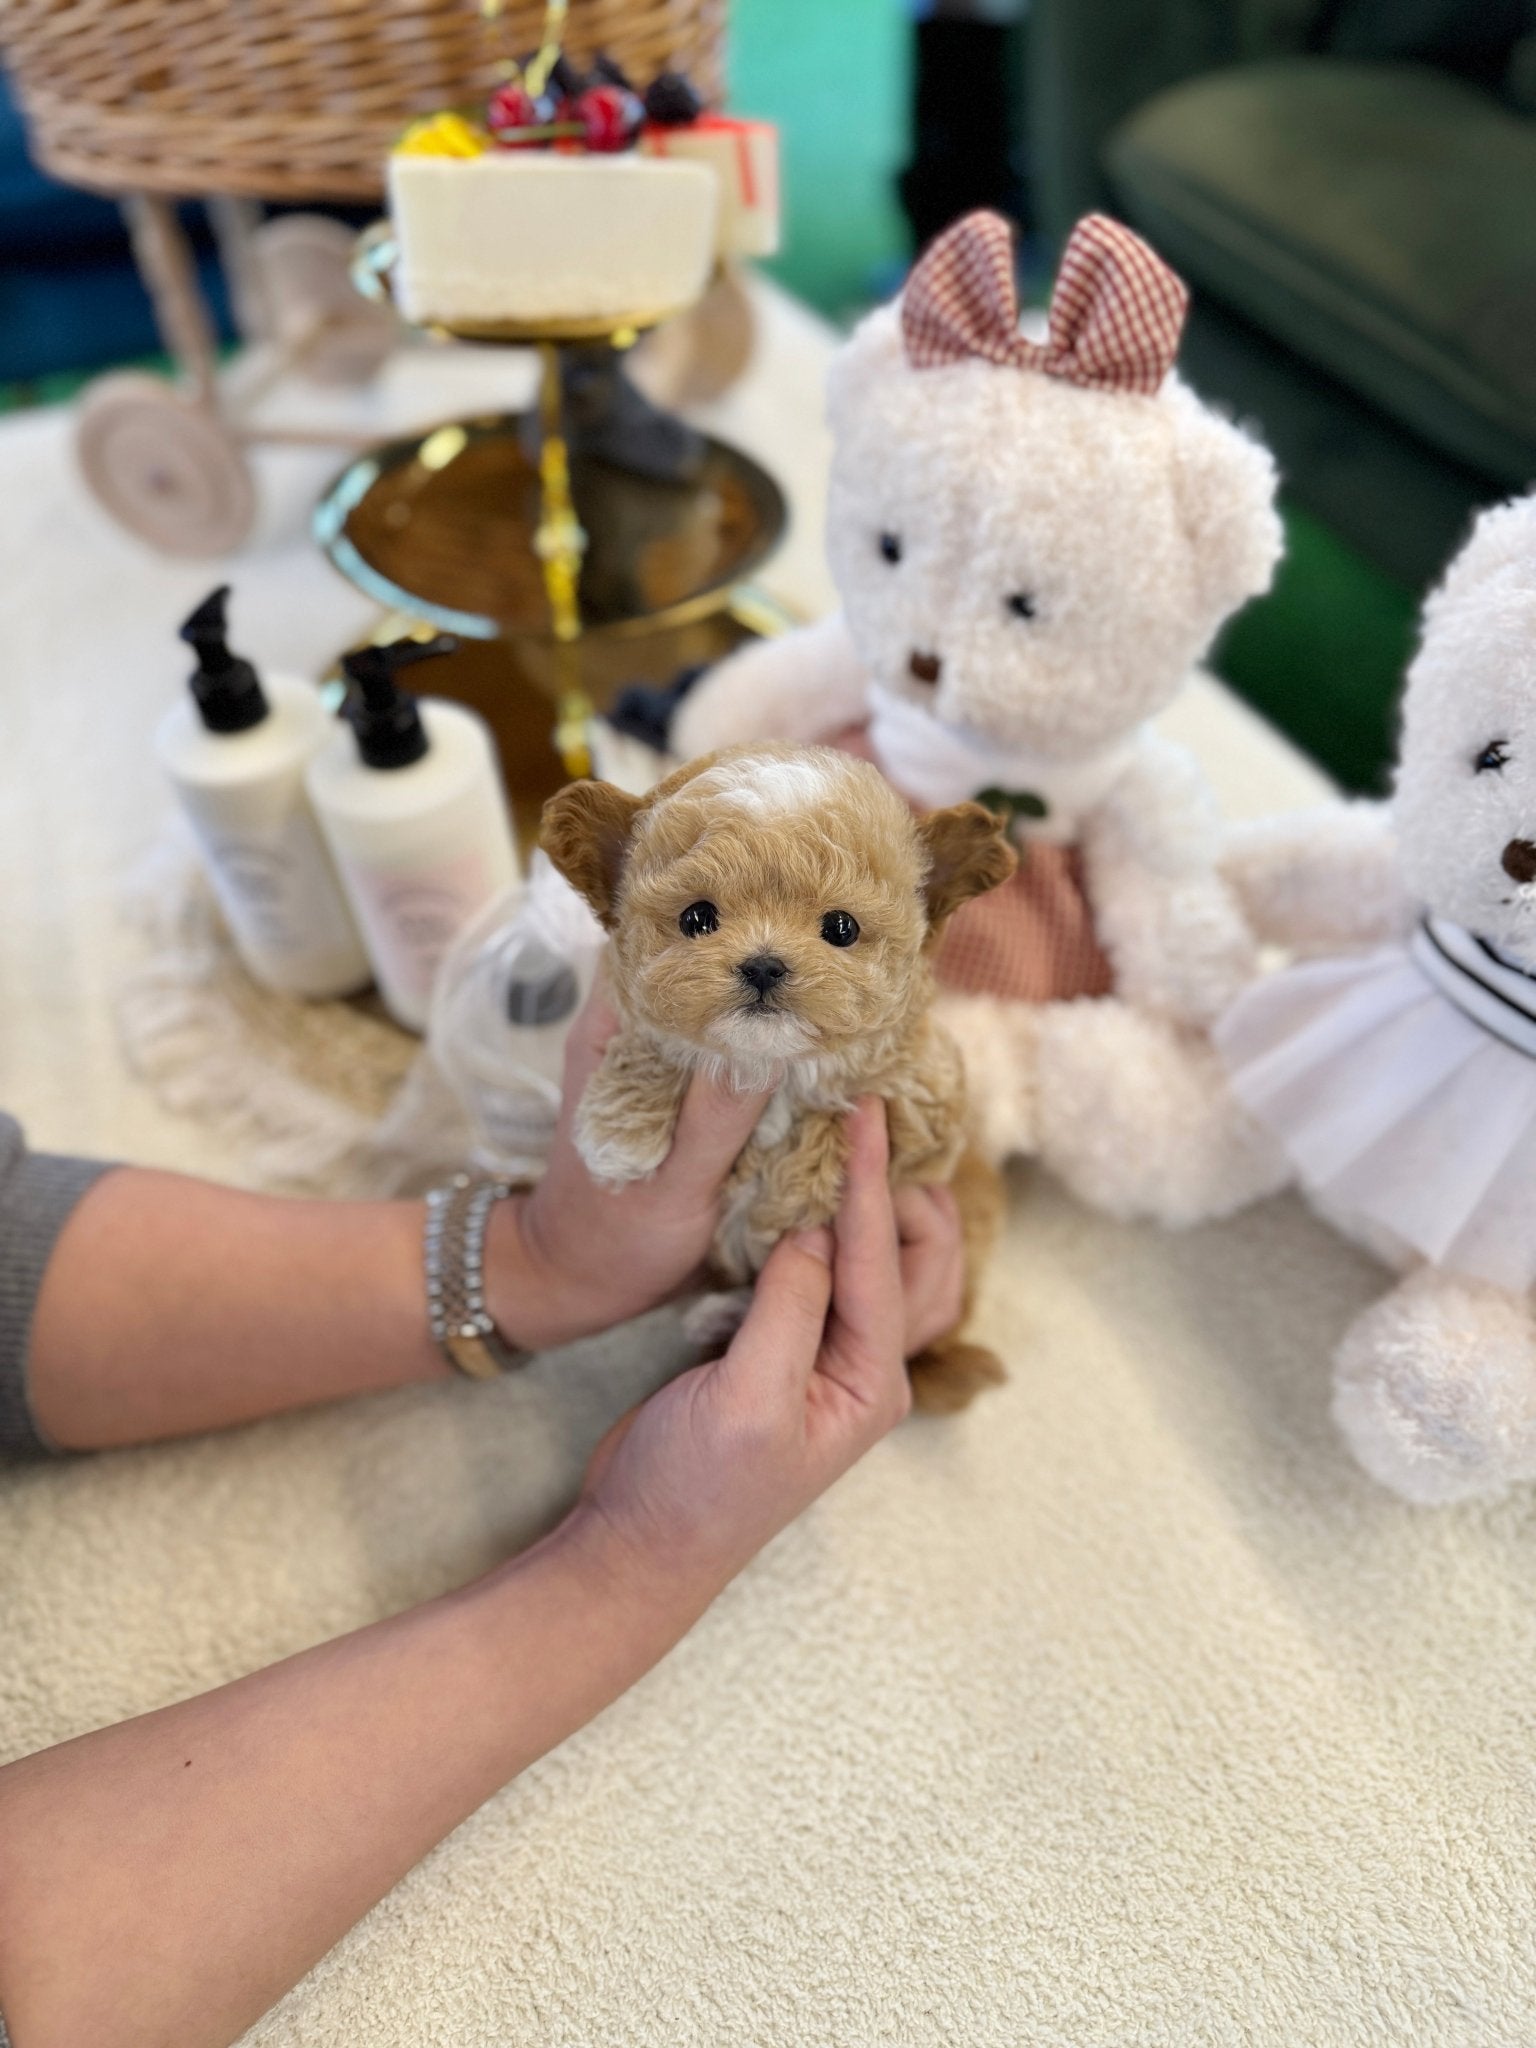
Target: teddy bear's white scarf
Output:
{"points": [[934, 763], [1402, 1083]]}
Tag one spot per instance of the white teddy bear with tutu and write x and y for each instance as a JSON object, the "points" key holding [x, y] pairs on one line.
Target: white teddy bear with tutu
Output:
{"points": [[1401, 1079], [1034, 541]]}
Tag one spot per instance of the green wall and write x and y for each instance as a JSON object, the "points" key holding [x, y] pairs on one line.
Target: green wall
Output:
{"points": [[834, 75]]}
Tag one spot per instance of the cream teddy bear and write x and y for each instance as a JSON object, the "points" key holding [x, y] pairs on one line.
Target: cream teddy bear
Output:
{"points": [[1034, 541], [1402, 1078]]}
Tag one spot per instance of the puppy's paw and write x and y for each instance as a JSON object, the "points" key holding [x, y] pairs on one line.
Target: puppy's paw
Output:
{"points": [[950, 1374], [617, 1154], [713, 1320]]}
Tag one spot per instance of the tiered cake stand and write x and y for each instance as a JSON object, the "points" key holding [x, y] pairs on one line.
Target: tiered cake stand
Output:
{"points": [[564, 576]]}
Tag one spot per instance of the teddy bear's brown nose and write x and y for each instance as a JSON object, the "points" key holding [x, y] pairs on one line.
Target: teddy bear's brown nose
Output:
{"points": [[1519, 860], [925, 667]]}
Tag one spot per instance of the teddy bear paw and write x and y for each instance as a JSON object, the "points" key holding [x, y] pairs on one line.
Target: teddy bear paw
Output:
{"points": [[1138, 1120], [1203, 957], [997, 1047], [1435, 1390]]}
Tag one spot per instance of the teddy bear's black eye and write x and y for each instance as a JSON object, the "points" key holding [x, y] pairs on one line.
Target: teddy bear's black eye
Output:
{"points": [[839, 929], [1022, 605], [698, 919], [1493, 756], [890, 546]]}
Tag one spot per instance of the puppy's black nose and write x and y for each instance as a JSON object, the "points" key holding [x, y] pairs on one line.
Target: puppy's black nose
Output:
{"points": [[925, 667], [764, 972], [1519, 860]]}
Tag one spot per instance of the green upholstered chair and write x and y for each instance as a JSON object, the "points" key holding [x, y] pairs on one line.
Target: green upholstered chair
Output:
{"points": [[1349, 187]]}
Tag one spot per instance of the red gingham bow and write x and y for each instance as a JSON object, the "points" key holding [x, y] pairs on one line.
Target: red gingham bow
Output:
{"points": [[1116, 313]]}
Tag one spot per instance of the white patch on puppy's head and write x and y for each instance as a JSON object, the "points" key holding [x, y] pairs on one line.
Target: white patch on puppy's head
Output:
{"points": [[769, 785], [1464, 805]]}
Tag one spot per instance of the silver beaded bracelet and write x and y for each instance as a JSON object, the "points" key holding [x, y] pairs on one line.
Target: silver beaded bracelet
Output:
{"points": [[455, 1258]]}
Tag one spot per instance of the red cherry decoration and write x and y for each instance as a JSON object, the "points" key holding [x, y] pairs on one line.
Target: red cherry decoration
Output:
{"points": [[512, 107], [610, 115]]}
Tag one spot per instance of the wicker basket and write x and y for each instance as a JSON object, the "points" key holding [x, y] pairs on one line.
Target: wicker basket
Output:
{"points": [[290, 99]]}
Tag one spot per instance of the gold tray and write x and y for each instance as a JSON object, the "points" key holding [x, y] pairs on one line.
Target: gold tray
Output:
{"points": [[441, 525]]}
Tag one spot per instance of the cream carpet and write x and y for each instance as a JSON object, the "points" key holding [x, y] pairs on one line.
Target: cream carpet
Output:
{"points": [[1120, 1711]]}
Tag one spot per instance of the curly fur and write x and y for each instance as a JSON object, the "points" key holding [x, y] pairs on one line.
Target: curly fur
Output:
{"points": [[773, 838]]}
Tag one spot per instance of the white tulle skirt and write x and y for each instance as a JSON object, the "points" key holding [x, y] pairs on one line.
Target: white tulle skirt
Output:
{"points": [[1402, 1084]]}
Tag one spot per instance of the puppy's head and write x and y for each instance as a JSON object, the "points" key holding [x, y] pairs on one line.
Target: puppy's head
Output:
{"points": [[770, 902]]}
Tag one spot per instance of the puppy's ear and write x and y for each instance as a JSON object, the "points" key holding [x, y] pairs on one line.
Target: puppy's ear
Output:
{"points": [[585, 830], [968, 853]]}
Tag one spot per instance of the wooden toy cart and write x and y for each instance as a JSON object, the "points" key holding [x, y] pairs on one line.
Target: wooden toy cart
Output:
{"points": [[151, 101]]}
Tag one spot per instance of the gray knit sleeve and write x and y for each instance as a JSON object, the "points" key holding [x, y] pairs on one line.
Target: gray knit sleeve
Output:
{"points": [[37, 1193]]}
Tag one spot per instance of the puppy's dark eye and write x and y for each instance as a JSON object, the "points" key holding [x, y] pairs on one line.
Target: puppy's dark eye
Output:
{"points": [[839, 929], [1022, 605], [890, 546], [1493, 757], [698, 919]]}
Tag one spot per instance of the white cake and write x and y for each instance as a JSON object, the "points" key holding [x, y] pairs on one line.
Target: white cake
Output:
{"points": [[533, 235]]}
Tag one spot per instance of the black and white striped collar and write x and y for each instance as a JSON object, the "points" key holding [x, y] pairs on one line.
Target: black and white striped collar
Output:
{"points": [[1482, 984]]}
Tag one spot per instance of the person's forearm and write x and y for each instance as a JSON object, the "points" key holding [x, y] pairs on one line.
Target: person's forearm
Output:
{"points": [[171, 1305], [169, 1878]]}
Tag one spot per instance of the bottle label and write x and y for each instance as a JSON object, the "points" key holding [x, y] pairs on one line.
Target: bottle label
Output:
{"points": [[412, 918], [277, 889]]}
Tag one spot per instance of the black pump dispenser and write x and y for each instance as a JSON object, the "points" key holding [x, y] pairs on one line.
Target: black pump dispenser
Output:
{"points": [[386, 718], [228, 690]]}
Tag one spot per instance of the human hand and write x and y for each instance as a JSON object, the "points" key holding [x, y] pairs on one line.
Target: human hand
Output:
{"points": [[932, 1257], [683, 1491], [572, 1257]]}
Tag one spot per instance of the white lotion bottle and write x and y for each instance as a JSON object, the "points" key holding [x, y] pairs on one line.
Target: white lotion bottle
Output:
{"points": [[409, 797], [235, 750]]}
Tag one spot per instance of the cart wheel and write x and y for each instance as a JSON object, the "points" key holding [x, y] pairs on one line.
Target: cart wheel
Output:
{"points": [[698, 356], [164, 466], [305, 262]]}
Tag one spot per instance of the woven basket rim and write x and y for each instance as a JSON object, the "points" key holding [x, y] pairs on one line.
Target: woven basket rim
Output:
{"points": [[113, 92]]}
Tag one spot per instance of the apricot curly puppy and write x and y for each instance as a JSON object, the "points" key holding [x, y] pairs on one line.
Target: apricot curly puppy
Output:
{"points": [[773, 912]]}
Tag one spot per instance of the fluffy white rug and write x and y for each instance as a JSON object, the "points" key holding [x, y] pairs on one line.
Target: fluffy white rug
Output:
{"points": [[1121, 1710]]}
